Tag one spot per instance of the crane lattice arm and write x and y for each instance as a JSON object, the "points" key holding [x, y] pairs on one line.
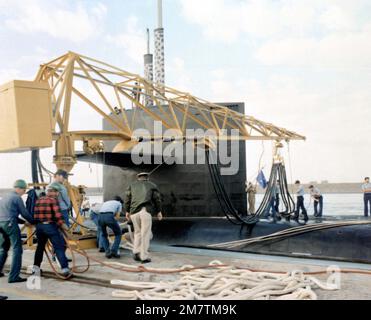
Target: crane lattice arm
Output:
{"points": [[79, 81]]}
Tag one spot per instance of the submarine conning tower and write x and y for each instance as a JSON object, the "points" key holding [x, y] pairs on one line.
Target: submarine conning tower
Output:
{"points": [[186, 188]]}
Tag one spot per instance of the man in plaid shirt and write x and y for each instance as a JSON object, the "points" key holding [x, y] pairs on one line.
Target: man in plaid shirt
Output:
{"points": [[49, 221]]}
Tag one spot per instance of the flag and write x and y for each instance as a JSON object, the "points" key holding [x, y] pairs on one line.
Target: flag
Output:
{"points": [[261, 179]]}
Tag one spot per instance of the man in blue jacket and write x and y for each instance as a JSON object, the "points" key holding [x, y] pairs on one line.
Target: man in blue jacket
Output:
{"points": [[64, 200], [11, 206]]}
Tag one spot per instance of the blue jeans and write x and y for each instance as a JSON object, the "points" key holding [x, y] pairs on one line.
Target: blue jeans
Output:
{"points": [[45, 232], [95, 217], [300, 205], [108, 220], [320, 203], [367, 203], [66, 217], [272, 206], [10, 235]]}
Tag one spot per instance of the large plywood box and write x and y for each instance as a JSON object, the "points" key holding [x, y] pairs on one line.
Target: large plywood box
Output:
{"points": [[25, 120]]}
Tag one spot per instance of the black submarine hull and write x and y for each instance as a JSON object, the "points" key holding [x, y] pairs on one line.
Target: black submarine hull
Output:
{"points": [[346, 243]]}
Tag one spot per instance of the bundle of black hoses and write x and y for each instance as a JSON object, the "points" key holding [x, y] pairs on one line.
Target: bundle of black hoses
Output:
{"points": [[278, 172], [36, 169], [224, 200]]}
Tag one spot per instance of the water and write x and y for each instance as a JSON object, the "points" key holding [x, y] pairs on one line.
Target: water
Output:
{"points": [[348, 204]]}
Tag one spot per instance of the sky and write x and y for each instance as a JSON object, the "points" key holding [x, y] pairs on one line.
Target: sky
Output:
{"points": [[301, 64]]}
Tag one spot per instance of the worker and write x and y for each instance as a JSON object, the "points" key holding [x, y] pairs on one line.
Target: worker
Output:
{"points": [[317, 197], [94, 216], [142, 200], [251, 192], [300, 202], [64, 201], [85, 205], [49, 226], [366, 188], [11, 206], [108, 213], [272, 206]]}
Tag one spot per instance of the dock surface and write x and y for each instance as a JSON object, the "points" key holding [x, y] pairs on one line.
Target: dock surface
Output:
{"points": [[353, 286]]}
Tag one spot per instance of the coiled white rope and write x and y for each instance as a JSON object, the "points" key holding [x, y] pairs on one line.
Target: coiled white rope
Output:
{"points": [[225, 283]]}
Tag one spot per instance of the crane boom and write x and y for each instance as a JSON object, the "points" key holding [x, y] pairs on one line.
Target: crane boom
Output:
{"points": [[73, 78]]}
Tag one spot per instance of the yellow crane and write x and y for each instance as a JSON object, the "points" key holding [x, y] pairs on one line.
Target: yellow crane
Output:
{"points": [[34, 114]]}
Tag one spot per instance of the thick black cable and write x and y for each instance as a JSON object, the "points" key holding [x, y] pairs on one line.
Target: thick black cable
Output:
{"points": [[217, 193], [34, 169], [278, 171], [225, 202]]}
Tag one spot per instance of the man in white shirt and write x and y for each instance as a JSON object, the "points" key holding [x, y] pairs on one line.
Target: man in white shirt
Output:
{"points": [[317, 197], [109, 211], [300, 202]]}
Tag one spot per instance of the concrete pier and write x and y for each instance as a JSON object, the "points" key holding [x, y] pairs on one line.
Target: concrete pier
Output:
{"points": [[170, 257]]}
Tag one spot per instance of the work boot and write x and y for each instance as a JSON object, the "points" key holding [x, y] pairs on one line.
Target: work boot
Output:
{"points": [[146, 261], [3, 298], [66, 272], [17, 280], [136, 257], [101, 250], [115, 255], [108, 255], [2, 275], [36, 271]]}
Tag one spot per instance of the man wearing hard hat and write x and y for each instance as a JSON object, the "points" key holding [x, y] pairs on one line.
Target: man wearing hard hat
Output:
{"points": [[49, 222], [11, 206]]}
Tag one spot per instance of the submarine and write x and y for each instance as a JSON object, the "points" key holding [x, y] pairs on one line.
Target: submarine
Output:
{"points": [[197, 217]]}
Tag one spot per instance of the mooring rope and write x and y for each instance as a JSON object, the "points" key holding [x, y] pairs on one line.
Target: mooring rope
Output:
{"points": [[225, 283]]}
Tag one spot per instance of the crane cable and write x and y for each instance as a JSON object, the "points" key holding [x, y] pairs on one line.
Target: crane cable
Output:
{"points": [[289, 156]]}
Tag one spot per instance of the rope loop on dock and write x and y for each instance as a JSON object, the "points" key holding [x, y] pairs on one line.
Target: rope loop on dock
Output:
{"points": [[225, 283]]}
